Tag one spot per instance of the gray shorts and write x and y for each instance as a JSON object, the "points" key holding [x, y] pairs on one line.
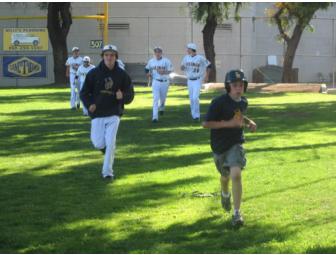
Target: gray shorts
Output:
{"points": [[235, 156]]}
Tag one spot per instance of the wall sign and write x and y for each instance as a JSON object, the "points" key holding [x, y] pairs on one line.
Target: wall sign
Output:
{"points": [[24, 66], [25, 39]]}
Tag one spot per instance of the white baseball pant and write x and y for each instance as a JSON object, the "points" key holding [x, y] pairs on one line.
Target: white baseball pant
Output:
{"points": [[160, 90], [103, 135], [74, 98], [85, 110], [194, 88]]}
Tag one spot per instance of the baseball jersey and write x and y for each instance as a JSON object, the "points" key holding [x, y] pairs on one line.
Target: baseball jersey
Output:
{"points": [[74, 63], [82, 72], [225, 108], [155, 65], [195, 66]]}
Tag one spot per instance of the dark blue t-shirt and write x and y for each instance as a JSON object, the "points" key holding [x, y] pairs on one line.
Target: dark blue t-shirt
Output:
{"points": [[224, 108]]}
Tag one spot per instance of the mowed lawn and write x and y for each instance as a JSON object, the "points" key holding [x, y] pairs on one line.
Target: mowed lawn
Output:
{"points": [[166, 195]]}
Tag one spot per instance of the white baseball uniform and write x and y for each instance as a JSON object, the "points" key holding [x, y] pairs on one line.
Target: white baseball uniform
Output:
{"points": [[103, 135], [74, 64], [160, 82], [195, 70], [81, 73]]}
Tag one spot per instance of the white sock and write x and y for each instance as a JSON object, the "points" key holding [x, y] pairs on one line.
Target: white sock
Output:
{"points": [[225, 194]]}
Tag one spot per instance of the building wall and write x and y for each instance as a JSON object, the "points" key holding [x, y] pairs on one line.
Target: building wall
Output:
{"points": [[170, 25]]}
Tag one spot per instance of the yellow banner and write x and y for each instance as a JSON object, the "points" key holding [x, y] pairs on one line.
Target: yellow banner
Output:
{"points": [[25, 39]]}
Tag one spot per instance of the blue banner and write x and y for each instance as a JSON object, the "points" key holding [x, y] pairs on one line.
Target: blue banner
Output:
{"points": [[24, 66]]}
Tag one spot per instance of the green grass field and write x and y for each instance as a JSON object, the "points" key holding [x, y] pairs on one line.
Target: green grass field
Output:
{"points": [[166, 195]]}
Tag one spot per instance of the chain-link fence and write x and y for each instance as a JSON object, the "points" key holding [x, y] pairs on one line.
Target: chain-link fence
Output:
{"points": [[249, 44]]}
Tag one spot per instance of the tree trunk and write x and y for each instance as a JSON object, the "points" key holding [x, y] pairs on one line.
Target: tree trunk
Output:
{"points": [[209, 46], [292, 44], [59, 22]]}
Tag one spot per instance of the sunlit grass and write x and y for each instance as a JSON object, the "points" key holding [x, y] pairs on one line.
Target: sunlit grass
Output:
{"points": [[52, 199]]}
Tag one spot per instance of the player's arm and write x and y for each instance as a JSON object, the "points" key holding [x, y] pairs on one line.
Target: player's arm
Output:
{"points": [[67, 71], [86, 93], [77, 74], [148, 74], [169, 67], [127, 93], [250, 124], [183, 65], [207, 70], [148, 71]]}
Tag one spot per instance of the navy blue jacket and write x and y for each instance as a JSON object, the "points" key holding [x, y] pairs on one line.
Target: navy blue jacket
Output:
{"points": [[100, 87]]}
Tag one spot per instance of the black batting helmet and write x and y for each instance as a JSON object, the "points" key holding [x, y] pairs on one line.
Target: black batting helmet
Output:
{"points": [[233, 76]]}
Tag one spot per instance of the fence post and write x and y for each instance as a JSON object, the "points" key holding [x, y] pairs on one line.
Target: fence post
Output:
{"points": [[240, 43], [148, 37], [334, 52]]}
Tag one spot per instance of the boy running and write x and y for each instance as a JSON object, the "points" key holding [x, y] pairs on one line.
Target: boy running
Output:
{"points": [[226, 118]]}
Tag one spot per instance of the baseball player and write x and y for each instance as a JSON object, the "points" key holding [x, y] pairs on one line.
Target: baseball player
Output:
{"points": [[226, 118], [197, 69], [106, 89], [81, 74], [158, 69], [72, 65]]}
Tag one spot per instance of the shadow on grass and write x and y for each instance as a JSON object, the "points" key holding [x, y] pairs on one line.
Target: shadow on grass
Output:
{"points": [[59, 96], [69, 130], [322, 250], [61, 129], [294, 148], [48, 212], [207, 235], [298, 186], [49, 203]]}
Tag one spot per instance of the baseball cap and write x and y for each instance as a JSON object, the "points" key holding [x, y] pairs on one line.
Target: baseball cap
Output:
{"points": [[192, 46], [74, 49], [110, 47], [157, 48], [86, 59]]}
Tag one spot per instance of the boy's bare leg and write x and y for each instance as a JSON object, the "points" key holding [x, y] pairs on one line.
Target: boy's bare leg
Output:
{"points": [[237, 189], [224, 180], [225, 195]]}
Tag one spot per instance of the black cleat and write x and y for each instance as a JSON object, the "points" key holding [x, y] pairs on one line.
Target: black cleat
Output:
{"points": [[154, 120], [108, 178], [78, 106], [161, 112], [103, 150]]}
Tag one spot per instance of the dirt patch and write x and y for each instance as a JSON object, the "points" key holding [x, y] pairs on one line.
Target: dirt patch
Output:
{"points": [[272, 87]]}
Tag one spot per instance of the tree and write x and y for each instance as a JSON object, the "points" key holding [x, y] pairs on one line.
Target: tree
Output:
{"points": [[212, 14], [58, 24], [292, 19]]}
